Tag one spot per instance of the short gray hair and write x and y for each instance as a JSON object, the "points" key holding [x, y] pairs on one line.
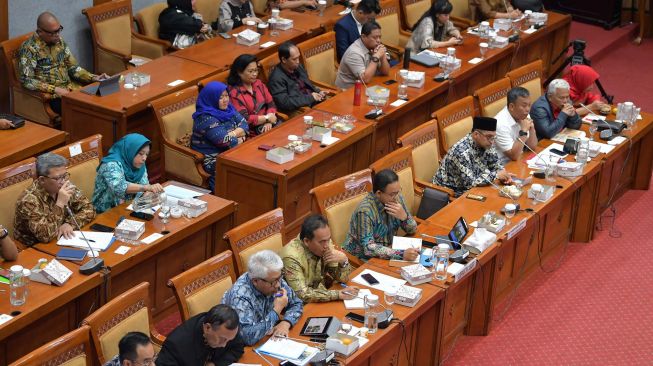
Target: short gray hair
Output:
{"points": [[555, 85], [517, 92], [262, 263], [48, 161]]}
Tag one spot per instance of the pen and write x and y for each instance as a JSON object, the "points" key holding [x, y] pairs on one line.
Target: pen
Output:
{"points": [[279, 294]]}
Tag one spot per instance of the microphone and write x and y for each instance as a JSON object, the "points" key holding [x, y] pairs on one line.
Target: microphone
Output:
{"points": [[457, 256], [546, 163], [374, 114], [605, 135], [95, 263]]}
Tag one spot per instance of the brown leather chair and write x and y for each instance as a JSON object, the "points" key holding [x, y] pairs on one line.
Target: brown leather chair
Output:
{"points": [[267, 65], [147, 19], [462, 12], [392, 34], [71, 349], [492, 98], [528, 76], [114, 41], [210, 10], [337, 200], [454, 122], [262, 232], [83, 165], [14, 179], [260, 7], [174, 114], [32, 105], [200, 288], [127, 312], [221, 77], [319, 59]]}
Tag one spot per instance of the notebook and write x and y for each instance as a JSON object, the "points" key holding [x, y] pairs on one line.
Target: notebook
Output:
{"points": [[71, 254]]}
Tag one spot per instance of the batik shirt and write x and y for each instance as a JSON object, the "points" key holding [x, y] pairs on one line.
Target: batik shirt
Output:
{"points": [[44, 67], [308, 276], [113, 362], [465, 164], [371, 229], [111, 186], [38, 217], [256, 311]]}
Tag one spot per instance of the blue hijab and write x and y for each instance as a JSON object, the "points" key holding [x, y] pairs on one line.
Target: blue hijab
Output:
{"points": [[207, 102], [124, 151]]}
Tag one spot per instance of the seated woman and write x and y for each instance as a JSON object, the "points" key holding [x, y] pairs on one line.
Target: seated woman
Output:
{"points": [[492, 9], [581, 79], [234, 13], [217, 126], [250, 96], [180, 24], [434, 29], [122, 173]]}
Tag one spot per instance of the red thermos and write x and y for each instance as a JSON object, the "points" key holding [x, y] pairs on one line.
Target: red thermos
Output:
{"points": [[358, 89]]}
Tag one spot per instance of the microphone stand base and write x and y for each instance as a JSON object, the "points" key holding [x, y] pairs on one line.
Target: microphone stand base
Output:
{"points": [[92, 266]]}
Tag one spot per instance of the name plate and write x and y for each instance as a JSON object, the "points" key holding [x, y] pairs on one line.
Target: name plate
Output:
{"points": [[463, 272], [516, 229]]}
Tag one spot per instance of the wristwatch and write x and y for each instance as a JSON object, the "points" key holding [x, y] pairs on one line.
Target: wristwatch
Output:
{"points": [[375, 59], [343, 265], [523, 133], [267, 118], [3, 232]]}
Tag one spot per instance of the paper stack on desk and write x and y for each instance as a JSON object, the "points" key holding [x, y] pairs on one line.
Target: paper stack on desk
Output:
{"points": [[357, 302], [287, 349], [97, 240], [386, 283]]}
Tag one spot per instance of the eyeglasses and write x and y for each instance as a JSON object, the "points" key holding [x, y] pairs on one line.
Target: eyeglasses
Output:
{"points": [[54, 33], [146, 362], [273, 282], [393, 194], [61, 178], [489, 138]]}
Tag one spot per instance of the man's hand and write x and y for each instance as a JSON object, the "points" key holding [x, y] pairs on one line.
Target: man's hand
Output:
{"points": [[334, 256], [568, 109], [61, 91], [318, 97], [514, 14], [64, 194], [396, 210], [100, 77], [281, 329], [380, 51], [348, 293], [6, 124], [312, 3], [205, 28], [410, 254], [526, 124], [154, 188], [280, 302], [596, 105], [504, 176], [266, 127], [66, 231]]}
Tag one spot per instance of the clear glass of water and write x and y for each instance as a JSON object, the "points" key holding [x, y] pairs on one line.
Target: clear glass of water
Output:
{"points": [[345, 326], [593, 128], [509, 210], [136, 80], [164, 213], [389, 297], [483, 49]]}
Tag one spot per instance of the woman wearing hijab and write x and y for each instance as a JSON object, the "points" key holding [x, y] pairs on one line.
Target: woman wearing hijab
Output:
{"points": [[581, 80], [434, 29], [180, 24], [234, 13], [217, 126], [122, 173]]}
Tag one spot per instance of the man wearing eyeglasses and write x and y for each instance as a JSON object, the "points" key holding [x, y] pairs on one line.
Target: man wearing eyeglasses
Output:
{"points": [[266, 305], [473, 160], [47, 65], [41, 214], [134, 349]]}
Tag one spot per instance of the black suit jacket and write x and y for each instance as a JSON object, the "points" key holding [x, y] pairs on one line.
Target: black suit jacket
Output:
{"points": [[346, 34]]}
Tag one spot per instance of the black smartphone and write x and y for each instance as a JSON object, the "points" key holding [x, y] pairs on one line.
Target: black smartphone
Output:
{"points": [[142, 215], [370, 279], [374, 114], [102, 228], [287, 363], [558, 152], [389, 82], [355, 317]]}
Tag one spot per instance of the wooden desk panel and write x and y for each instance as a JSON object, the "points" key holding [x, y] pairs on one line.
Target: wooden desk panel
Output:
{"points": [[310, 20], [27, 141]]}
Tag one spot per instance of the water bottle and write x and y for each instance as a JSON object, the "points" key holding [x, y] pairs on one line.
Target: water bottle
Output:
{"points": [[449, 61], [583, 152], [484, 31], [17, 286], [372, 311], [402, 91], [442, 262], [358, 90]]}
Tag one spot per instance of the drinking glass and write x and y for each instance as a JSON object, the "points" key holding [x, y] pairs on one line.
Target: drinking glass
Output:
{"points": [[321, 5], [509, 210], [551, 168], [345, 326], [164, 213], [593, 128], [273, 22], [389, 296], [136, 80], [483, 47]]}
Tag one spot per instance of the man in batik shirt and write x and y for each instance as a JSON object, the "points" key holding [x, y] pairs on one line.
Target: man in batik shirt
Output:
{"points": [[42, 210], [473, 160], [377, 218], [47, 65]]}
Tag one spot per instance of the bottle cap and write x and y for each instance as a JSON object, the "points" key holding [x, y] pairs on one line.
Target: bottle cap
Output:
{"points": [[372, 297], [26, 272], [16, 268]]}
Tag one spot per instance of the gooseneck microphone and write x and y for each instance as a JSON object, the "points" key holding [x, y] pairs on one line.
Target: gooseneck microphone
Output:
{"points": [[501, 192], [605, 135], [546, 163], [95, 263]]}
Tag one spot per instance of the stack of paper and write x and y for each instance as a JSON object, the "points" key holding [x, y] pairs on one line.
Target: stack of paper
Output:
{"points": [[403, 243], [287, 349], [386, 283], [568, 133], [545, 157], [97, 240], [359, 301], [176, 193]]}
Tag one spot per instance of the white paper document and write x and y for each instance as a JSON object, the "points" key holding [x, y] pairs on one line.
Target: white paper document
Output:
{"points": [[398, 102], [605, 148], [176, 82], [282, 348], [403, 243], [617, 140], [152, 238], [359, 301], [545, 157], [475, 60], [386, 283], [180, 192], [268, 44], [97, 240], [567, 133]]}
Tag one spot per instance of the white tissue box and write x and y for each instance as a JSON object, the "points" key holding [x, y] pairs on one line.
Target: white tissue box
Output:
{"points": [[415, 79], [335, 344], [499, 42], [408, 296], [283, 24], [248, 37], [543, 195], [319, 133], [502, 24], [280, 155], [193, 206], [416, 274], [570, 169], [129, 229], [537, 18]]}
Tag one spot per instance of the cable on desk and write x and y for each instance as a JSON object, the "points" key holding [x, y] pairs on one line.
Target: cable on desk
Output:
{"points": [[514, 55], [403, 340], [615, 233]]}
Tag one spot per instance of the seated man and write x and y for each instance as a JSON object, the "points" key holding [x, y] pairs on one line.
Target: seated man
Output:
{"points": [[473, 160], [377, 218], [134, 349], [42, 210], [312, 264], [264, 301], [207, 337], [288, 83], [47, 65], [348, 28], [8, 250], [513, 123], [364, 58], [554, 111]]}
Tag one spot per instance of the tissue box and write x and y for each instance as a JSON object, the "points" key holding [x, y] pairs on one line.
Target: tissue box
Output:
{"points": [[280, 155], [570, 169], [415, 79], [408, 296], [502, 24], [543, 195], [416, 274], [248, 37], [537, 18], [50, 273], [499, 42], [193, 206], [336, 343], [143, 78], [492, 222], [283, 24], [129, 229], [320, 132]]}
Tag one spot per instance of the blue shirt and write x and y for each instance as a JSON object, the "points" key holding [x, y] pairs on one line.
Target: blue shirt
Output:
{"points": [[256, 311]]}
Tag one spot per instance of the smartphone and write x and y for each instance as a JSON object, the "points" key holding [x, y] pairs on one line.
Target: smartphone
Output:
{"points": [[370, 279], [102, 228], [355, 317], [374, 114], [142, 215], [476, 197], [558, 152], [265, 147], [287, 363], [389, 82], [224, 35]]}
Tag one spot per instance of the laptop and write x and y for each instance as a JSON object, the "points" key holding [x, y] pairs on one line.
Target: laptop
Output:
{"points": [[425, 58], [104, 87]]}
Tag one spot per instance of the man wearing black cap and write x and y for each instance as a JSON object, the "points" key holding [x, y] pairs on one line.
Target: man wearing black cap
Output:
{"points": [[472, 160]]}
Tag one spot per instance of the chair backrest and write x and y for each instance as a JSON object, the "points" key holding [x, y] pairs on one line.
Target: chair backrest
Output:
{"points": [[11, 54], [148, 19], [83, 159], [111, 25], [454, 122], [200, 288], [210, 10], [319, 58], [390, 22], [221, 77], [71, 349], [14, 179], [338, 199], [127, 312], [492, 97], [267, 65], [528, 76], [260, 6], [461, 9], [413, 10], [401, 162], [426, 156], [259, 233]]}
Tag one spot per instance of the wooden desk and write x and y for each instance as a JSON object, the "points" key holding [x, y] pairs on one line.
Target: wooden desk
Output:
{"points": [[422, 326], [311, 22], [126, 111], [49, 311], [189, 242], [244, 175], [27, 141]]}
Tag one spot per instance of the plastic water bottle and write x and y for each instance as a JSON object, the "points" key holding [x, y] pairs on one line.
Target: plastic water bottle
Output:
{"points": [[449, 61], [484, 31], [17, 286], [583, 152], [442, 262], [402, 91], [372, 311]]}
